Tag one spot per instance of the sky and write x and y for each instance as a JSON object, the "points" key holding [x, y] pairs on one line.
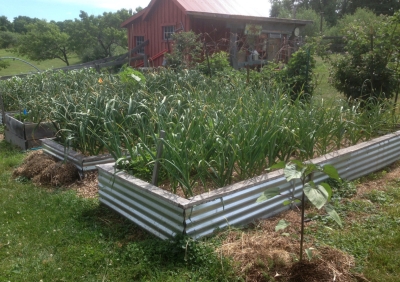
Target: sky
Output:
{"points": [[60, 10]]}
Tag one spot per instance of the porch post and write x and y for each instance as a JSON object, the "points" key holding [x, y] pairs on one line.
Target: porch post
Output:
{"points": [[233, 46]]}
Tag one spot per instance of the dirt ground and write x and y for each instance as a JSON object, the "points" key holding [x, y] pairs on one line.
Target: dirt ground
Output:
{"points": [[260, 252]]}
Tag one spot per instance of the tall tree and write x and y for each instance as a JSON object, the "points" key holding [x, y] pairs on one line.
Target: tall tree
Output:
{"points": [[333, 9], [20, 23], [310, 29], [8, 39], [384, 7], [95, 37], [44, 41], [5, 24], [282, 8]]}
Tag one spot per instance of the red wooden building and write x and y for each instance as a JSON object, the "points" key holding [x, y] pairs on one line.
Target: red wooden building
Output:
{"points": [[226, 25]]}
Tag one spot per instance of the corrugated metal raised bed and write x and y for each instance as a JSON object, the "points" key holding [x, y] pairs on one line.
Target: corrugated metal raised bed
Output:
{"points": [[83, 163], [26, 134], [166, 215]]}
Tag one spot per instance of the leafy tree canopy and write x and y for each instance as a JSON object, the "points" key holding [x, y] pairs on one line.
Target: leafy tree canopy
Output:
{"points": [[370, 67], [98, 35], [314, 28], [5, 24], [8, 39], [333, 10], [362, 16], [44, 41], [384, 7], [20, 23]]}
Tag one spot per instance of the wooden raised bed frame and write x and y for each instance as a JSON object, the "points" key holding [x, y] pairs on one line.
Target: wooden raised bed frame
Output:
{"points": [[26, 135]]}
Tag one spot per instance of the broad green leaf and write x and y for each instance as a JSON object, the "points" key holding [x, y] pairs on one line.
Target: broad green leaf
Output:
{"points": [[282, 224], [287, 202], [328, 189], [317, 196], [310, 168], [270, 193], [309, 253], [331, 171], [297, 201], [298, 163], [285, 234], [333, 214], [291, 172], [279, 165]]}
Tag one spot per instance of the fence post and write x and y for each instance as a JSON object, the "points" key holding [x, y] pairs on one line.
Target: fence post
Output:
{"points": [[156, 169]]}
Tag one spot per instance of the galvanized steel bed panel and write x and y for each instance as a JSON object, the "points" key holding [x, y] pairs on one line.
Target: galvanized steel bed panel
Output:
{"points": [[146, 209], [81, 162], [236, 204]]}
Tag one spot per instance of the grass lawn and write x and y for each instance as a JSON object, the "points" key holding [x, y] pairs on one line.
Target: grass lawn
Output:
{"points": [[324, 89], [372, 226], [18, 67], [54, 235]]}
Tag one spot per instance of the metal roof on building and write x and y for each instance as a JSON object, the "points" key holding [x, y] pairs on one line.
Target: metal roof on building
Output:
{"points": [[227, 9], [223, 7]]}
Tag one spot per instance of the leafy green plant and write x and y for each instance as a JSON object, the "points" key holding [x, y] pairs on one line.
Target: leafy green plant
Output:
{"points": [[217, 62], [131, 77], [186, 50], [379, 197], [342, 188], [365, 71], [318, 194], [298, 74], [4, 64]]}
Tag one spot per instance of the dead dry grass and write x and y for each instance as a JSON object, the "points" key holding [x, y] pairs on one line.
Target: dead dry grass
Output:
{"points": [[388, 175], [262, 254]]}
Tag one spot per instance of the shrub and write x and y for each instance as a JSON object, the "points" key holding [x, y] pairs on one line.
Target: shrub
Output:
{"points": [[217, 62], [363, 72], [298, 73], [186, 50], [4, 65]]}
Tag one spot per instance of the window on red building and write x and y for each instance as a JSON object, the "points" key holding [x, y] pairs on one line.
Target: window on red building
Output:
{"points": [[168, 31], [139, 40]]}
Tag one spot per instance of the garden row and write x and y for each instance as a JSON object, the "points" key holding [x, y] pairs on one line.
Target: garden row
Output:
{"points": [[219, 130]]}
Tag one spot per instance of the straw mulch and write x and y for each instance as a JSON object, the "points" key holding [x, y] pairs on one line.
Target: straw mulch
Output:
{"points": [[262, 254], [88, 186], [45, 170]]}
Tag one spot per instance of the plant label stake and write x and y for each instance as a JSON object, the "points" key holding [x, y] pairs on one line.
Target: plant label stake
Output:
{"points": [[154, 179]]}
